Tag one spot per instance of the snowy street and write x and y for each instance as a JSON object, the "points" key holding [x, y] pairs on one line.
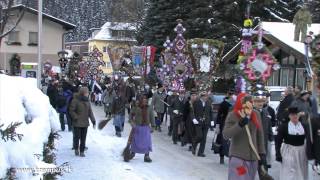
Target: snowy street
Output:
{"points": [[104, 161]]}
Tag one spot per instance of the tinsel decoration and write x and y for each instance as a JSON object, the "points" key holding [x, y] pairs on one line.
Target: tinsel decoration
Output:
{"points": [[74, 66], [259, 62], [93, 66], [10, 132], [240, 85], [178, 68], [205, 55]]}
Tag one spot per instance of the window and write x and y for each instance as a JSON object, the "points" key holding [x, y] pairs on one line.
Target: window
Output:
{"points": [[13, 38], [287, 77], [300, 77], [33, 39], [274, 79]]}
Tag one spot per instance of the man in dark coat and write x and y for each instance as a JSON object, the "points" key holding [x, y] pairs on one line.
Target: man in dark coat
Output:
{"points": [[118, 110], [282, 114], [80, 111], [303, 104], [53, 93], [178, 106], [202, 120], [223, 111], [130, 93]]}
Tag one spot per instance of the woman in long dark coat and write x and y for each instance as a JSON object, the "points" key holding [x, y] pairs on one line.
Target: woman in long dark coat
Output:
{"points": [[223, 111]]}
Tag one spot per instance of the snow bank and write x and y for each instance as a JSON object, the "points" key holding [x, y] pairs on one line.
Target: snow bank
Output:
{"points": [[20, 99]]}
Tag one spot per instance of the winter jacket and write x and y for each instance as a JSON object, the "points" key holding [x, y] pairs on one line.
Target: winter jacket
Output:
{"points": [[136, 117], [283, 115], [52, 93], [68, 96], [80, 111], [157, 102], [129, 93], [118, 105], [178, 106], [223, 112], [303, 106], [240, 146], [267, 127], [203, 114], [316, 138]]}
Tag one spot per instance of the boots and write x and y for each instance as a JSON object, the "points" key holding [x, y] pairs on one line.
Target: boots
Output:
{"points": [[132, 155], [76, 152], [221, 160], [82, 154], [147, 158]]}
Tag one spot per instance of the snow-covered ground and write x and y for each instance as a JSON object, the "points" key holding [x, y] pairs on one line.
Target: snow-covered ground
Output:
{"points": [[104, 161]]}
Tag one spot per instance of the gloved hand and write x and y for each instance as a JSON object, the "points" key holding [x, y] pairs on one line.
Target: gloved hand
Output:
{"points": [[263, 160], [212, 123], [244, 121], [195, 121], [176, 112]]}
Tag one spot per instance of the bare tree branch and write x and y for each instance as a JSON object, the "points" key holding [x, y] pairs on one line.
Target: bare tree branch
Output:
{"points": [[15, 25]]}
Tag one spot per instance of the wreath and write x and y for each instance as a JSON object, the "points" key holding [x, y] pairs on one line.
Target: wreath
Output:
{"points": [[258, 64]]}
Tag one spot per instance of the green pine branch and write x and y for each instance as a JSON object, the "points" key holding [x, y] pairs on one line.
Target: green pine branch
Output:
{"points": [[10, 132]]}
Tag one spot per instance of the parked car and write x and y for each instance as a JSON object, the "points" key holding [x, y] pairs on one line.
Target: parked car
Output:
{"points": [[276, 95]]}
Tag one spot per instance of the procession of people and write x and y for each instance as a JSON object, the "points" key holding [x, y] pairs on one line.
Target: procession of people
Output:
{"points": [[242, 127]]}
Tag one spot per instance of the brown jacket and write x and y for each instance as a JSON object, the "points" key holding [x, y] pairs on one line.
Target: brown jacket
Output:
{"points": [[240, 146], [80, 112], [136, 116]]}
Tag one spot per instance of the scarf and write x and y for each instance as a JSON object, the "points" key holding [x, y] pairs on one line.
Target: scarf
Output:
{"points": [[238, 107]]}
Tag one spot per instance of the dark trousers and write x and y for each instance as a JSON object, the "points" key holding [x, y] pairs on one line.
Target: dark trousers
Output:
{"points": [[175, 126], [203, 140], [171, 123], [160, 117], [118, 129], [61, 117], [80, 134]]}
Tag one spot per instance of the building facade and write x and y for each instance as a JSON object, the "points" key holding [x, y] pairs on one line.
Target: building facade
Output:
{"points": [[114, 40], [24, 39]]}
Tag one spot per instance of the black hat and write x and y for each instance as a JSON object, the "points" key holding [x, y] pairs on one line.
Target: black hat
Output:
{"points": [[304, 93], [293, 110], [193, 91]]}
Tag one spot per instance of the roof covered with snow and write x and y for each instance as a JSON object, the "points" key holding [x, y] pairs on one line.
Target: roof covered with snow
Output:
{"points": [[65, 24], [285, 33], [105, 31]]}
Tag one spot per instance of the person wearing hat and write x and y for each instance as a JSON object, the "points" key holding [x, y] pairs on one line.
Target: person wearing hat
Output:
{"points": [[259, 100], [190, 133], [293, 147], [158, 103], [282, 113], [178, 106], [304, 106], [223, 111], [203, 120], [243, 127]]}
